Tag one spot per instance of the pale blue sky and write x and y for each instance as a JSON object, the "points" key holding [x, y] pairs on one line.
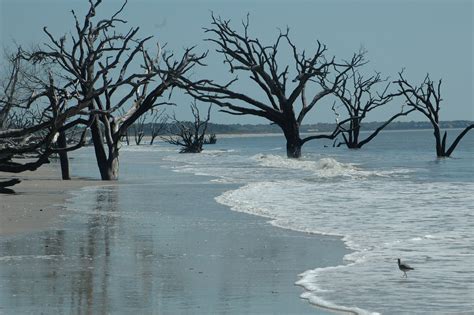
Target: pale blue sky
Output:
{"points": [[423, 36]]}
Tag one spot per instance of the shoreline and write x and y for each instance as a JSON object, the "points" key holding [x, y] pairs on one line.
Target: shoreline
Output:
{"points": [[317, 302], [310, 306], [38, 200], [197, 251], [179, 210], [321, 304]]}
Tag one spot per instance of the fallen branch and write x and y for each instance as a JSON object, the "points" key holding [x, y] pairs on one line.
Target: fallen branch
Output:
{"points": [[8, 183]]}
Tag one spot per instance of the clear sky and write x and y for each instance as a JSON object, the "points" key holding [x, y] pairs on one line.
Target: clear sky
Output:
{"points": [[434, 36]]}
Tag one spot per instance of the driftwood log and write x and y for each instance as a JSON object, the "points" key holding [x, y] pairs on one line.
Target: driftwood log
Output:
{"points": [[8, 183]]}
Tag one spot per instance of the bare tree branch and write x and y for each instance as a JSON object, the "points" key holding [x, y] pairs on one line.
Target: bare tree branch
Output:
{"points": [[358, 98], [189, 135], [282, 97], [426, 99]]}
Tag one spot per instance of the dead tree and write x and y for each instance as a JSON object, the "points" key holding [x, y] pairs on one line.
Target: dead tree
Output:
{"points": [[39, 109], [285, 101], [126, 137], [36, 116], [426, 99], [139, 129], [158, 124], [358, 98], [96, 63], [37, 132], [27, 114], [63, 156], [212, 139], [10, 87], [189, 135], [8, 183]]}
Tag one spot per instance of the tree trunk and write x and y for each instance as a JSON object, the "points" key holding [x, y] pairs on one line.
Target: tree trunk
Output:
{"points": [[293, 141], [127, 139], [439, 145], [353, 142], [63, 158], [355, 138], [113, 164], [101, 157], [109, 167], [293, 149], [353, 145]]}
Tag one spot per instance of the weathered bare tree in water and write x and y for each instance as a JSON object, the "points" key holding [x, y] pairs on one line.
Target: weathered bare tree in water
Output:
{"points": [[158, 124], [211, 139], [26, 126], [189, 135], [426, 99], [10, 87], [139, 129], [37, 116], [97, 64], [358, 98], [285, 100]]}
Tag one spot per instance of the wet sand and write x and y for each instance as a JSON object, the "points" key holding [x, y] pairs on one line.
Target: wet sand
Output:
{"points": [[38, 200], [160, 248]]}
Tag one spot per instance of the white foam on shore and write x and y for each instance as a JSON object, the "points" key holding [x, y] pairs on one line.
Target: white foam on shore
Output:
{"points": [[230, 167], [376, 223], [380, 214], [325, 167], [308, 282]]}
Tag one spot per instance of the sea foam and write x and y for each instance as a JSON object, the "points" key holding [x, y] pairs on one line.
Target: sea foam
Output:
{"points": [[381, 213]]}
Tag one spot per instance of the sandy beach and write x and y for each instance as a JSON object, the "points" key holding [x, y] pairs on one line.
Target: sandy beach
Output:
{"points": [[38, 200], [185, 254]]}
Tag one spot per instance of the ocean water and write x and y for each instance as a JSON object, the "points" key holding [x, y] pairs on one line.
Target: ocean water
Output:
{"points": [[391, 199], [156, 242]]}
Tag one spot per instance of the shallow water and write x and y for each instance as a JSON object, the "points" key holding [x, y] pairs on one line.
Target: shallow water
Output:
{"points": [[156, 242], [392, 199]]}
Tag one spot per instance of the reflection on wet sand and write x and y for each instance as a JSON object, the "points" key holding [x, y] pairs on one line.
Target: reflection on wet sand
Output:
{"points": [[89, 283], [46, 270], [148, 249]]}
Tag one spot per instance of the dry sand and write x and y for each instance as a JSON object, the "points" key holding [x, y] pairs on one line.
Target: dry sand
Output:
{"points": [[38, 200]]}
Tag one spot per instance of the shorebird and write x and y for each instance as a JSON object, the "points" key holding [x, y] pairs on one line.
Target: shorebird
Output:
{"points": [[404, 268]]}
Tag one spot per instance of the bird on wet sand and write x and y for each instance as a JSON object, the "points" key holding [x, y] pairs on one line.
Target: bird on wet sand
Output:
{"points": [[404, 268]]}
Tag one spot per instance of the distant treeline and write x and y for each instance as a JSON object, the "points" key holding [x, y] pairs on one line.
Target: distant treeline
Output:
{"points": [[319, 127]]}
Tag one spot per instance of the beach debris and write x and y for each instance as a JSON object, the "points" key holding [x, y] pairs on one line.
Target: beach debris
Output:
{"points": [[8, 183]]}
